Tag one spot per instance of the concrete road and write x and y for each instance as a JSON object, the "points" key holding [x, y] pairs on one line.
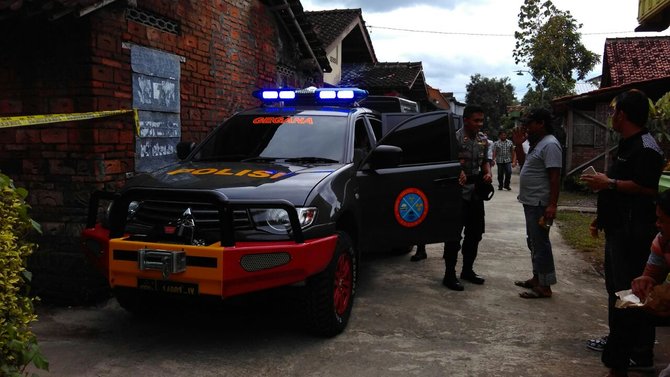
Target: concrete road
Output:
{"points": [[404, 323]]}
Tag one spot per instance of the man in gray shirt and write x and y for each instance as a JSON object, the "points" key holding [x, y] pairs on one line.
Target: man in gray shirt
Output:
{"points": [[539, 185]]}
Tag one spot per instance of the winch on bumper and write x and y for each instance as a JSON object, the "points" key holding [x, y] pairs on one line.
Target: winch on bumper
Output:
{"points": [[215, 270], [225, 268]]}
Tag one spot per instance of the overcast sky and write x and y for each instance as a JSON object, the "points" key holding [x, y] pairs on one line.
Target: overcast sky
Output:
{"points": [[449, 41]]}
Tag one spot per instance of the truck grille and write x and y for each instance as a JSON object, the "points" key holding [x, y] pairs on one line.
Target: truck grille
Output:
{"points": [[151, 218]]}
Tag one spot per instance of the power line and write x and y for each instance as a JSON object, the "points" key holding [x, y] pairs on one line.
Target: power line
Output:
{"points": [[439, 32], [479, 34]]}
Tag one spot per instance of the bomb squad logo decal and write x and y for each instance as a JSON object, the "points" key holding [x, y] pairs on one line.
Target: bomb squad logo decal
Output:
{"points": [[411, 207]]}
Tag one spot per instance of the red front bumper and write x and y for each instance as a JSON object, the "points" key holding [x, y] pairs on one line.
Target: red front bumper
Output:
{"points": [[216, 270]]}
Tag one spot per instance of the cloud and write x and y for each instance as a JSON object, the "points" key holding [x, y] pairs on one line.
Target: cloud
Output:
{"points": [[377, 5], [456, 39]]}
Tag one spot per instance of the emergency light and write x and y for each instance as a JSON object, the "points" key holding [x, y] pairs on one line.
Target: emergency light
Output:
{"points": [[275, 94], [323, 96]]}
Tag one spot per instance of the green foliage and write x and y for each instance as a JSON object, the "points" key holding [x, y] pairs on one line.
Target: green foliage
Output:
{"points": [[493, 95], [507, 123], [18, 345], [549, 43], [659, 120]]}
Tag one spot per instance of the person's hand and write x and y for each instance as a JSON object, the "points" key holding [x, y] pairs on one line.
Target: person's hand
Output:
{"points": [[642, 285], [514, 164], [462, 178], [596, 182], [493, 163], [487, 178], [550, 212]]}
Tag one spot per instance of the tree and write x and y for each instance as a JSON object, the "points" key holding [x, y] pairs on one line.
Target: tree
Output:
{"points": [[659, 122], [493, 95], [549, 43]]}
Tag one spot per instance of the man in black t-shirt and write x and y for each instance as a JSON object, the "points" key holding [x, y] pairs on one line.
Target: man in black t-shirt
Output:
{"points": [[626, 213]]}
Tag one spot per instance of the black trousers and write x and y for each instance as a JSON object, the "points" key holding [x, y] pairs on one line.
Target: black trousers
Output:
{"points": [[504, 174], [472, 228], [632, 331]]}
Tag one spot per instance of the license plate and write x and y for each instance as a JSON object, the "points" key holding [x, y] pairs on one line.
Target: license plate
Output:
{"points": [[165, 286]]}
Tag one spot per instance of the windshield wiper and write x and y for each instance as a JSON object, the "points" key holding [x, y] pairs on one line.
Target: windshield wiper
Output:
{"points": [[311, 159], [260, 159], [230, 157]]}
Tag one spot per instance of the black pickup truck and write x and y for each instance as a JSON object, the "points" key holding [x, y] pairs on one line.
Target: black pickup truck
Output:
{"points": [[289, 193]]}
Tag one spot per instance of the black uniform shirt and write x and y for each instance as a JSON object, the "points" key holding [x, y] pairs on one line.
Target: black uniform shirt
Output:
{"points": [[638, 159]]}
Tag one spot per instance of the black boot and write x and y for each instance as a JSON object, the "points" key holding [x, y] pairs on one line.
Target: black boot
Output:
{"points": [[472, 277], [420, 253], [452, 283], [470, 247], [450, 257]]}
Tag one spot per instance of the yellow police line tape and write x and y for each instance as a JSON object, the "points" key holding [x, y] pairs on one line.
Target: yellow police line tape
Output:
{"points": [[31, 120]]}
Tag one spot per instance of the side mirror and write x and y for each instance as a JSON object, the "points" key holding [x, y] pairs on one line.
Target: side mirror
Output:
{"points": [[184, 148], [385, 156]]}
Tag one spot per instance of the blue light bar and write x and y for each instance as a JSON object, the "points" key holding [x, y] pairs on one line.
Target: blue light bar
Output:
{"points": [[287, 94], [340, 96], [275, 94], [269, 94]]}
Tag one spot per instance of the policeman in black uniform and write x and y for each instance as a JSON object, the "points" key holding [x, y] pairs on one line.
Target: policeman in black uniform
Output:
{"points": [[475, 160]]}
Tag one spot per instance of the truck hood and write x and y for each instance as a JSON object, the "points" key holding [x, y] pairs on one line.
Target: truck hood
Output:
{"points": [[241, 181]]}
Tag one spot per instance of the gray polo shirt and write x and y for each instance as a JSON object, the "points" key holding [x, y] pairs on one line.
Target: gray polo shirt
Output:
{"points": [[534, 178]]}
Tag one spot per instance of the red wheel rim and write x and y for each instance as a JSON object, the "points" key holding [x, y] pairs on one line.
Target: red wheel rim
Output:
{"points": [[344, 281]]}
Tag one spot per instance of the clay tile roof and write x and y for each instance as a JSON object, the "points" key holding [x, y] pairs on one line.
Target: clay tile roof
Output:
{"points": [[47, 9], [629, 60], [298, 25], [345, 27], [436, 98], [331, 24], [381, 75]]}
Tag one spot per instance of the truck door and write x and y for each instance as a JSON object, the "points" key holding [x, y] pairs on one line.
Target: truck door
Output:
{"points": [[419, 199]]}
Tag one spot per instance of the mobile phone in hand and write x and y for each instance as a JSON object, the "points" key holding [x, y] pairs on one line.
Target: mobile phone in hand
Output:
{"points": [[589, 171]]}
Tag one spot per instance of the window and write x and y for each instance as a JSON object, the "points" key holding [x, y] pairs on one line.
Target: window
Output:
{"points": [[424, 139], [361, 138], [376, 125], [276, 137], [586, 131]]}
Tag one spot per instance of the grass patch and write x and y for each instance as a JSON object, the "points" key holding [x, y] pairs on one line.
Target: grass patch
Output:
{"points": [[575, 231], [577, 198], [574, 227]]}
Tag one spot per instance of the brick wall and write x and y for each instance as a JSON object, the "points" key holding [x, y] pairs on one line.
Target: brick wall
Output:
{"points": [[229, 49], [582, 154]]}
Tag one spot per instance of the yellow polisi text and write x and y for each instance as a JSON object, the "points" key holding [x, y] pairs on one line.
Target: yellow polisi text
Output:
{"points": [[230, 172]]}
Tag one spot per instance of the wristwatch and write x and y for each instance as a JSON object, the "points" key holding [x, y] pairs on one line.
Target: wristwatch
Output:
{"points": [[611, 184]]}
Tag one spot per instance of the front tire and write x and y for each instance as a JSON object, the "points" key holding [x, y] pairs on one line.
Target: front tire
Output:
{"points": [[330, 294]]}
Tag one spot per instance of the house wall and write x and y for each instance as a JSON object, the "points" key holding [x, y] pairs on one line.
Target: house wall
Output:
{"points": [[335, 59], [582, 154], [226, 48], [589, 136]]}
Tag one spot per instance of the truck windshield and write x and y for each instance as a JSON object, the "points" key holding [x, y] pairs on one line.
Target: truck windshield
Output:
{"points": [[314, 138]]}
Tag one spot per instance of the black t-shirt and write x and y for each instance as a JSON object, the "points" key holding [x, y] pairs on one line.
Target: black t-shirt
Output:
{"points": [[638, 159]]}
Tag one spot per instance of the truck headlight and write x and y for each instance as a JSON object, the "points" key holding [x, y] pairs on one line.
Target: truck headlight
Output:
{"points": [[132, 208], [276, 220]]}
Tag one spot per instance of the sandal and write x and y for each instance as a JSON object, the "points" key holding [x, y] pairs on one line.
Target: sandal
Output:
{"points": [[528, 284], [597, 344], [535, 292]]}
